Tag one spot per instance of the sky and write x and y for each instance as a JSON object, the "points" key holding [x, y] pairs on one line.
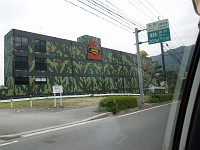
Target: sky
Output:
{"points": [[61, 19]]}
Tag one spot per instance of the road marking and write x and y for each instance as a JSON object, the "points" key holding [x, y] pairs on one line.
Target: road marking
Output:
{"points": [[87, 122], [147, 109], [59, 128], [4, 144]]}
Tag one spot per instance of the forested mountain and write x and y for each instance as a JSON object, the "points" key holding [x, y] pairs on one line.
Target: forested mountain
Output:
{"points": [[174, 57]]}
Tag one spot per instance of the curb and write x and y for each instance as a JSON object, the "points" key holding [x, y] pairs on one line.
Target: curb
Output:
{"points": [[22, 134], [103, 115]]}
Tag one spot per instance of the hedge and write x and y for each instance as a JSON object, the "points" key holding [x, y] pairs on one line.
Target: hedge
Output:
{"points": [[115, 104], [158, 98]]}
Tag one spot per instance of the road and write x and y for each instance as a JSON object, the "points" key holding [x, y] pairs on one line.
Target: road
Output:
{"points": [[143, 130]]}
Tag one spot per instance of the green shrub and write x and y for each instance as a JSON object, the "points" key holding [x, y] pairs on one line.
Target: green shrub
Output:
{"points": [[101, 109], [115, 104], [158, 98]]}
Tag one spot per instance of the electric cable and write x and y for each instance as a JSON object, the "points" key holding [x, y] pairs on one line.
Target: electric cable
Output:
{"points": [[120, 17], [140, 10], [105, 14], [98, 16]]}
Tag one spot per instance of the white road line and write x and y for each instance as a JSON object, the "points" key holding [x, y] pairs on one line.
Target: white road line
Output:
{"points": [[4, 144], [147, 109], [59, 128], [87, 122]]}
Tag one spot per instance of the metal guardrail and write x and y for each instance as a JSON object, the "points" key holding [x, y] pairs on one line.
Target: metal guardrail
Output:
{"points": [[67, 96]]}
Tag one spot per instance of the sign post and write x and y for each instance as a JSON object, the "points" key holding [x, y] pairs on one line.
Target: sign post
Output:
{"points": [[159, 32], [139, 67], [60, 99], [57, 89], [11, 103], [54, 99], [31, 103]]}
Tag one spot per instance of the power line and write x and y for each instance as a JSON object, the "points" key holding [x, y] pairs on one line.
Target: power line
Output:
{"points": [[147, 8], [173, 56], [177, 36], [120, 19], [179, 53], [143, 36], [122, 12], [96, 7], [170, 26], [155, 15], [154, 8], [98, 16], [113, 5], [139, 9], [179, 60], [105, 15], [109, 11]]}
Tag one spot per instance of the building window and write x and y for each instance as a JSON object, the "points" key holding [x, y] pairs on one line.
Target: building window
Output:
{"points": [[21, 63], [40, 80], [21, 80], [21, 43], [40, 46], [40, 64]]}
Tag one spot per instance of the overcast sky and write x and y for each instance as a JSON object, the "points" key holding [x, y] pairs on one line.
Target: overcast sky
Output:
{"points": [[60, 19]]}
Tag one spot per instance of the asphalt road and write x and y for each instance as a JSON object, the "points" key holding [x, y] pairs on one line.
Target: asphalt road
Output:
{"points": [[27, 120], [138, 131]]}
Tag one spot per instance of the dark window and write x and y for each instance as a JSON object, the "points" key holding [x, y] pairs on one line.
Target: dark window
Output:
{"points": [[40, 46], [40, 80], [40, 64], [21, 43], [21, 63], [21, 80]]}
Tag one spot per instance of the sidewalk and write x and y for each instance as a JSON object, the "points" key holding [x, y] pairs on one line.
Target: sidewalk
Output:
{"points": [[13, 122]]}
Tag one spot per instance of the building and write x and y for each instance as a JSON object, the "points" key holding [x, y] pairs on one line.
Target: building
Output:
{"points": [[35, 62]]}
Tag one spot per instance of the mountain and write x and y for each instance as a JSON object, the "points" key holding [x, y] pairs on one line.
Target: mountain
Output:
{"points": [[174, 57]]}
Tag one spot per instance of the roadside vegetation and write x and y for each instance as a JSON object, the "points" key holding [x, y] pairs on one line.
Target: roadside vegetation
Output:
{"points": [[116, 104], [49, 103], [112, 104], [159, 98]]}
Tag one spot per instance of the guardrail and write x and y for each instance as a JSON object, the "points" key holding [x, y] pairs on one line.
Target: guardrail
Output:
{"points": [[66, 96]]}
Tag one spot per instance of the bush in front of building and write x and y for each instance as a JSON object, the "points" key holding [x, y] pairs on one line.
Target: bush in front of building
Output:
{"points": [[115, 104], [159, 98]]}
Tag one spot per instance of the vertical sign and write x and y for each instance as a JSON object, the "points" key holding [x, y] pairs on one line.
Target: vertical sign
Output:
{"points": [[57, 89]]}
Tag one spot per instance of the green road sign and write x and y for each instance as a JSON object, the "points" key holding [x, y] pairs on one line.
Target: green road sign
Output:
{"points": [[158, 31]]}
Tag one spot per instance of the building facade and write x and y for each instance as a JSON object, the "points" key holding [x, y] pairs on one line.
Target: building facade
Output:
{"points": [[33, 63]]}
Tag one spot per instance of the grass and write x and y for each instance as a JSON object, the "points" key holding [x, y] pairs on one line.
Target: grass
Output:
{"points": [[67, 102], [49, 103]]}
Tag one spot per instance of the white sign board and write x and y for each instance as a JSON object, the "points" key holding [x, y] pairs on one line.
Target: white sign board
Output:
{"points": [[57, 89], [158, 25]]}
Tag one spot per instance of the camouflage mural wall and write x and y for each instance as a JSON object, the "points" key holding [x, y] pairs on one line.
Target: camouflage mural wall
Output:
{"points": [[34, 63], [8, 65]]}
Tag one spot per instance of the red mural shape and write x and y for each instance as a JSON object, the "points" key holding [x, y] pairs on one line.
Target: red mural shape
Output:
{"points": [[94, 51]]}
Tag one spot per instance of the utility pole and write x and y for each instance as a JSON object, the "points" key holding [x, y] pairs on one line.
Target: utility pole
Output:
{"points": [[163, 64], [164, 70], [139, 66]]}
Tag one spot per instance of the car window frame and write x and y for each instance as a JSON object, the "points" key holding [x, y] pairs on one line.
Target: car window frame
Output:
{"points": [[186, 98]]}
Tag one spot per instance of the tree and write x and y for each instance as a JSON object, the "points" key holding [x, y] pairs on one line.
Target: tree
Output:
{"points": [[153, 73], [171, 80], [143, 53]]}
